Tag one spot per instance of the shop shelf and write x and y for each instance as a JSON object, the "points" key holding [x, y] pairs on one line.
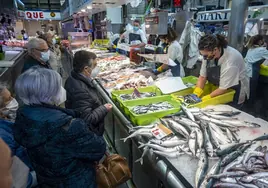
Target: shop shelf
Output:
{"points": [[222, 99], [145, 119]]}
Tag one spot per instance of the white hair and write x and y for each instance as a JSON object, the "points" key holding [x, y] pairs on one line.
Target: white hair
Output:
{"points": [[39, 86], [34, 43]]}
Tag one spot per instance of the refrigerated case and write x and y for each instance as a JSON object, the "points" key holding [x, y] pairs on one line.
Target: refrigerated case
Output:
{"points": [[80, 39]]}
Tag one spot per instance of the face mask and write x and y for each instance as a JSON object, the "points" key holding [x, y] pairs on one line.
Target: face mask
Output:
{"points": [[54, 41], [45, 56], [62, 97], [135, 28], [11, 109], [95, 72]]}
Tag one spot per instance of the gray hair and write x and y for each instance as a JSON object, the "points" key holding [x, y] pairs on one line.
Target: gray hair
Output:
{"points": [[34, 43], [39, 86], [3, 86]]}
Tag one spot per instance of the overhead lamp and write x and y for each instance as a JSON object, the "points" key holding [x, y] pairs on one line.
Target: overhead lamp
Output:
{"points": [[89, 7], [261, 19], [83, 10]]}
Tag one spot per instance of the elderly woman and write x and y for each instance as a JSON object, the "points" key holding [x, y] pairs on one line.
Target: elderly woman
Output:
{"points": [[62, 149], [82, 96], [38, 54]]}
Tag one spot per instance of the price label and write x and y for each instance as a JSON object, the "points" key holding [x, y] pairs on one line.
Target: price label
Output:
{"points": [[161, 132]]}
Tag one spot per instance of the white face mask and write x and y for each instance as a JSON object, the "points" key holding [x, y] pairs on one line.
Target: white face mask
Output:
{"points": [[45, 56], [63, 96], [95, 72], [54, 41], [11, 109]]}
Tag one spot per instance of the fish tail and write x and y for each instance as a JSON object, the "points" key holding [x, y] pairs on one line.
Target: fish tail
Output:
{"points": [[139, 160]]}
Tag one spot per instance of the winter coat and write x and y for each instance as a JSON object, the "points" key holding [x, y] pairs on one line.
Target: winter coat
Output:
{"points": [[83, 97], [31, 62], [61, 148]]}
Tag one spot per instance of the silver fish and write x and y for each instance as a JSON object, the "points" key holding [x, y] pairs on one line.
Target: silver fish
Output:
{"points": [[214, 170], [143, 132], [213, 138], [246, 185], [187, 112], [219, 117], [143, 127], [228, 185], [219, 134], [208, 144], [186, 121], [169, 143], [238, 123], [201, 169], [145, 151], [231, 136], [252, 154], [169, 155], [229, 174], [193, 142], [200, 138], [232, 164], [160, 148], [261, 183], [178, 127]]}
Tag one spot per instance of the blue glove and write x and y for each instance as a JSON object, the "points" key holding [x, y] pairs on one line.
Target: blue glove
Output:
{"points": [[155, 71]]}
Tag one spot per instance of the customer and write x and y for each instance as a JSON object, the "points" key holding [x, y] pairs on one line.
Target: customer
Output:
{"points": [[81, 93], [38, 54], [5, 165], [61, 148], [55, 54]]}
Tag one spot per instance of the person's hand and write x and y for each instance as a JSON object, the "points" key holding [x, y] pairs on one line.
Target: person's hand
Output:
{"points": [[155, 71], [205, 98], [108, 106]]}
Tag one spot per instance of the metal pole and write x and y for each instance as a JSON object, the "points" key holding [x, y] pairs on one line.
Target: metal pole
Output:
{"points": [[239, 13]]}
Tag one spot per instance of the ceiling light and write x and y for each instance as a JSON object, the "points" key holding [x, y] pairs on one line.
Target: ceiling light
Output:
{"points": [[261, 19], [89, 7], [83, 10]]}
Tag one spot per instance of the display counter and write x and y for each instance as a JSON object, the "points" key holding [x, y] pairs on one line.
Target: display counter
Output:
{"points": [[11, 66]]}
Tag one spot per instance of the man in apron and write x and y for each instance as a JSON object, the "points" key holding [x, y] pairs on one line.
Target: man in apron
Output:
{"points": [[135, 37]]}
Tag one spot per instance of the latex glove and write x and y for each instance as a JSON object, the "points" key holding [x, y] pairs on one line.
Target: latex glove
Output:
{"points": [[114, 46], [198, 91], [155, 71], [264, 67], [160, 69], [205, 98]]}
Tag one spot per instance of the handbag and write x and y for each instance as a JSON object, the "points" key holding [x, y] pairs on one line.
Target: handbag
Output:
{"points": [[113, 171]]}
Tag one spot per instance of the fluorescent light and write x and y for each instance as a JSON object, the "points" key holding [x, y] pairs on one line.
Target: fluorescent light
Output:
{"points": [[89, 7], [83, 10], [261, 19]]}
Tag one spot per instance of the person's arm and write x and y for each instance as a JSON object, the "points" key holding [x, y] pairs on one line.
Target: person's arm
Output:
{"points": [[201, 82], [265, 54], [143, 39], [123, 36], [198, 91], [218, 92], [84, 104], [84, 144]]}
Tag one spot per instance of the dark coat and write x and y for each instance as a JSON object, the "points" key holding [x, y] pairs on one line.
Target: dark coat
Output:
{"points": [[83, 97], [31, 62], [61, 148]]}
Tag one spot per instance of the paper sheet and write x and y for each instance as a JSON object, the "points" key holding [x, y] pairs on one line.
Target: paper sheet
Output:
{"points": [[170, 85]]}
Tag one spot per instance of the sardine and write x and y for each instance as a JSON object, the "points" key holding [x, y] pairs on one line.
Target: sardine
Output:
{"points": [[238, 123], [231, 136], [186, 122], [213, 138], [252, 154], [246, 185], [143, 127], [200, 138], [224, 150], [187, 112], [218, 117], [232, 164], [219, 134], [201, 169], [160, 148], [208, 144], [264, 137]]}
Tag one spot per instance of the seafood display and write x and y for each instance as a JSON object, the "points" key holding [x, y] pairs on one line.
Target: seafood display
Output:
{"points": [[113, 62], [141, 95], [144, 109]]}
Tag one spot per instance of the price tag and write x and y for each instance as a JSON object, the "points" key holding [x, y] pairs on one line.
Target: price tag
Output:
{"points": [[161, 132]]}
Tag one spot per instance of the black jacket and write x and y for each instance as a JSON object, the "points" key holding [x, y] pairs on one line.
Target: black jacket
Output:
{"points": [[82, 96], [31, 62]]}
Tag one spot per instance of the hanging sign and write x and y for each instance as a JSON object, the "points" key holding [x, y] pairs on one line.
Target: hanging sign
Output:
{"points": [[40, 15]]}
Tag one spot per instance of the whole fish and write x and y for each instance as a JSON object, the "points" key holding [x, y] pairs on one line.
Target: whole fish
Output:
{"points": [[187, 112], [178, 128], [214, 170], [239, 123], [231, 136], [201, 169], [160, 148], [218, 122], [208, 144], [252, 154], [266, 158], [224, 150], [264, 149], [259, 148], [145, 151], [264, 137], [213, 138], [185, 121], [199, 138], [142, 127], [219, 117], [169, 143], [142, 132], [169, 155], [229, 174], [246, 185], [234, 163], [263, 183], [232, 156], [227, 185], [193, 142], [228, 180], [219, 134]]}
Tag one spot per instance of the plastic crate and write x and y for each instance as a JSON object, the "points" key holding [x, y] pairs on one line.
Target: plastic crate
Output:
{"points": [[145, 119], [101, 42], [221, 99], [190, 79], [264, 70]]}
